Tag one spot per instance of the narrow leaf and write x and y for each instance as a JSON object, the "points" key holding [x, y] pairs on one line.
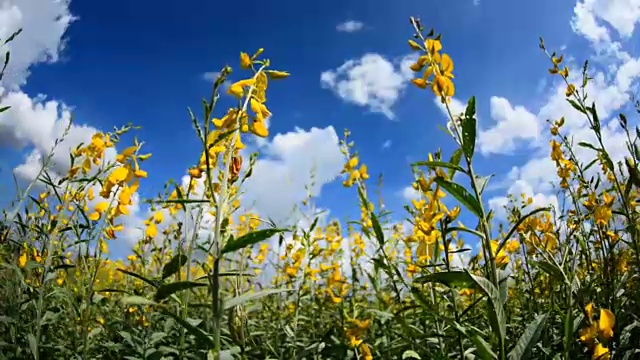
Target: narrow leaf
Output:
{"points": [[173, 266], [137, 300], [496, 314], [137, 276], [439, 164], [528, 340], [250, 239], [239, 300], [193, 330], [166, 290], [469, 129], [462, 195], [457, 279]]}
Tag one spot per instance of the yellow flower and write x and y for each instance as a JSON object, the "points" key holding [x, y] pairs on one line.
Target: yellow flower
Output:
{"points": [[570, 90], [443, 86], [259, 129], [421, 83], [237, 89], [556, 151], [277, 75], [600, 327], [606, 322], [363, 172], [118, 175], [195, 172], [433, 46], [100, 208], [151, 231], [22, 260], [245, 60], [512, 246], [601, 352], [354, 341], [158, 217], [446, 66]]}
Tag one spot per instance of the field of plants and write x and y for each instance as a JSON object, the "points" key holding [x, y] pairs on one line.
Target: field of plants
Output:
{"points": [[208, 281]]}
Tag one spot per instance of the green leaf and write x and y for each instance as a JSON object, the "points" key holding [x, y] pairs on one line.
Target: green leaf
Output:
{"points": [[497, 316], [587, 145], [174, 265], [137, 300], [467, 230], [410, 354], [457, 279], [33, 345], [193, 330], [250, 239], [4, 108], [166, 290], [529, 338], [576, 106], [439, 164], [153, 283], [503, 285], [469, 129], [481, 182], [455, 160], [239, 300], [377, 229], [462, 195], [553, 270], [483, 349]]}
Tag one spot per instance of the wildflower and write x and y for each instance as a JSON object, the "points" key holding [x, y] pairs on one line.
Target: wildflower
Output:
{"points": [[277, 75], [22, 260], [597, 327], [245, 60], [237, 88], [601, 352], [570, 90]]}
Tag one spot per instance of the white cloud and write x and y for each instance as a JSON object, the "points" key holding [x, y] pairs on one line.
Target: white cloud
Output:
{"points": [[350, 26], [622, 15], [497, 204], [513, 124], [33, 124], [286, 167], [610, 91], [386, 144], [371, 81], [409, 193], [44, 23]]}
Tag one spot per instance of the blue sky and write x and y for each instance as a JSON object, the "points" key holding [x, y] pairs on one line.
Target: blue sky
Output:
{"points": [[144, 62]]}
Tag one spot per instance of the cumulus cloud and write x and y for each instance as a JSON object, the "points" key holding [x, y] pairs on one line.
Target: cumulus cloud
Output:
{"points": [[589, 15], [289, 163], [610, 89], [371, 81], [44, 23], [409, 193], [350, 26], [35, 124], [513, 125]]}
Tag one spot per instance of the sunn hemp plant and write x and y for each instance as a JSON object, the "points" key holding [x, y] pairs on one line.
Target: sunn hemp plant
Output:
{"points": [[208, 279]]}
